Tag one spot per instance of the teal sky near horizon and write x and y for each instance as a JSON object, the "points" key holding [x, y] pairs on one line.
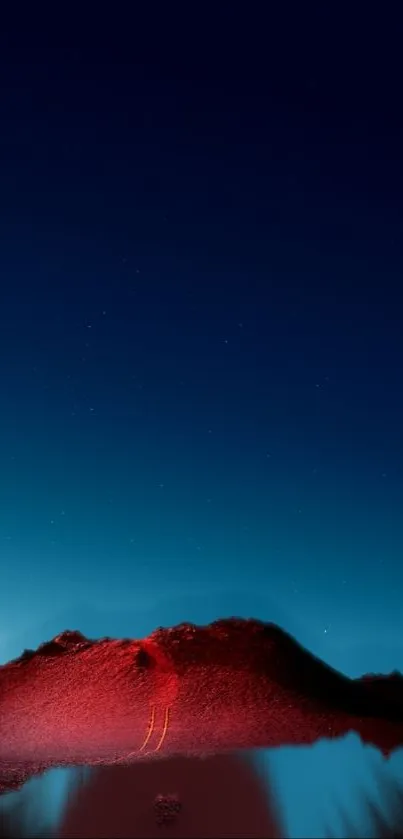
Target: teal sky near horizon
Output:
{"points": [[201, 360]]}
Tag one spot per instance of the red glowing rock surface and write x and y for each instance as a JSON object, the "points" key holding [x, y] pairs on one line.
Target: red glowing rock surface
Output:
{"points": [[187, 690]]}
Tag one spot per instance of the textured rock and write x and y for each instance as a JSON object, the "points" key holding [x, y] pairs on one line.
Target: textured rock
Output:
{"points": [[185, 690]]}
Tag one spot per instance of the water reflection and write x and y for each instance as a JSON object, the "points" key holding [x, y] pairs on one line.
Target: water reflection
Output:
{"points": [[314, 789]]}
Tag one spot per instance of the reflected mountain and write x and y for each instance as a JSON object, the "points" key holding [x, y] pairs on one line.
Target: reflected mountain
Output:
{"points": [[219, 796]]}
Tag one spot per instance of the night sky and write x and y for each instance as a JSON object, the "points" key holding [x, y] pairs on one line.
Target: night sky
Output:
{"points": [[201, 342]]}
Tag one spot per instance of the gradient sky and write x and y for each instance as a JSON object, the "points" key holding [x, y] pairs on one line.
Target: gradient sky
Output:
{"points": [[202, 346]]}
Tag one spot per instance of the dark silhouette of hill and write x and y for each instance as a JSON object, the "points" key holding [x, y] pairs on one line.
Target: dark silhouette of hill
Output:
{"points": [[142, 619], [185, 690]]}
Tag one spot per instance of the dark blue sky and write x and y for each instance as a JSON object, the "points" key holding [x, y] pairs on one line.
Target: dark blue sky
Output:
{"points": [[201, 336]]}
